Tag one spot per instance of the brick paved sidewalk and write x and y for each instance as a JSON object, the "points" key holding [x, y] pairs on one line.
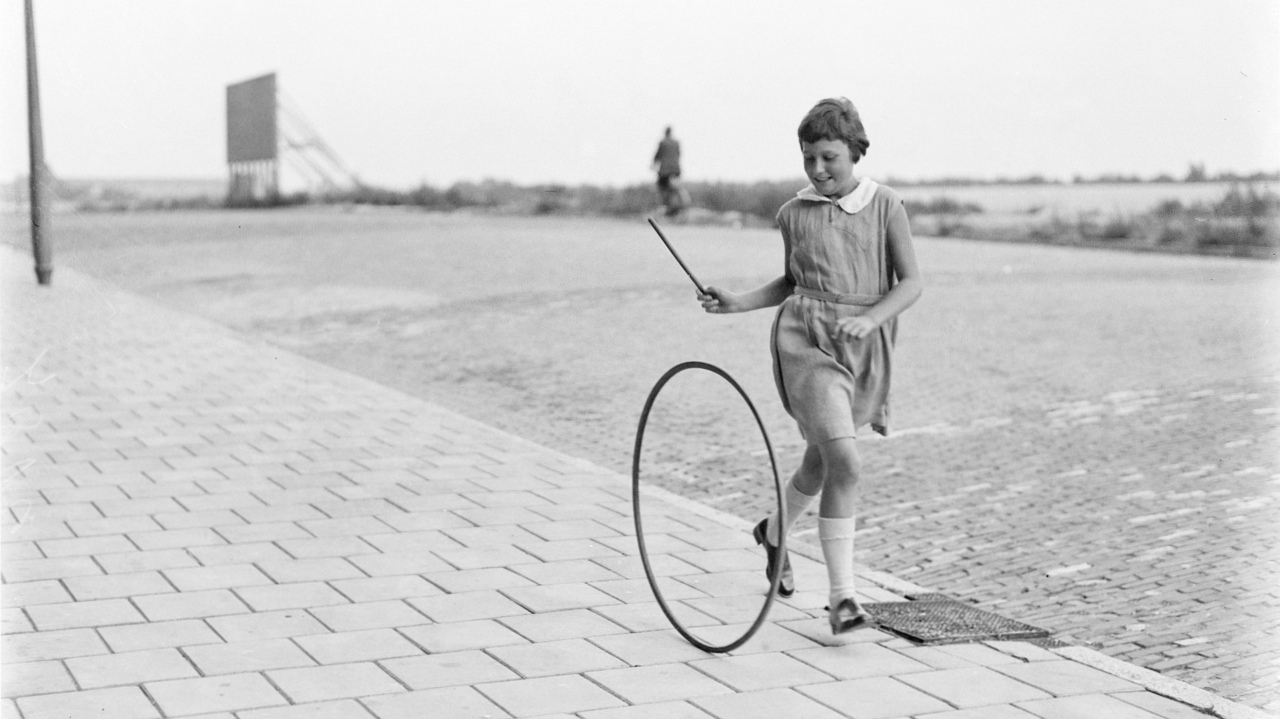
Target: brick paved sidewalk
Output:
{"points": [[197, 524]]}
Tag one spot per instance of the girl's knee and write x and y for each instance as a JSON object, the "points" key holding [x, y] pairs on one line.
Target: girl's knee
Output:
{"points": [[809, 476], [840, 481], [840, 457]]}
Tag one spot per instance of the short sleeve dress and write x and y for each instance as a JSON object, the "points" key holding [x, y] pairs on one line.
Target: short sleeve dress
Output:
{"points": [[837, 255]]}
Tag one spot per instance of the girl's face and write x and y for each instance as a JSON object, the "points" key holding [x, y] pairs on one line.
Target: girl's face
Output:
{"points": [[829, 165]]}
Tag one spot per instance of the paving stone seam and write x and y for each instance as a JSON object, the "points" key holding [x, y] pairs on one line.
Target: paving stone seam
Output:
{"points": [[607, 690], [146, 693]]}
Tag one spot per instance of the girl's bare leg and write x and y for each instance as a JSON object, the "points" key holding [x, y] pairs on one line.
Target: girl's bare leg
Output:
{"points": [[799, 493], [842, 469], [796, 496]]}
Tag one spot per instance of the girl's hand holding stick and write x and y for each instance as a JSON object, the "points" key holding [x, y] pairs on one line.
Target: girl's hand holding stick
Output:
{"points": [[718, 302]]}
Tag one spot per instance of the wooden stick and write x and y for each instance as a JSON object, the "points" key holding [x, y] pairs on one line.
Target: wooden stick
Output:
{"points": [[676, 255]]}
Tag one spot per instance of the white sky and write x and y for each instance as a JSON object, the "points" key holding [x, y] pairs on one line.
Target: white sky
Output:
{"points": [[579, 90]]}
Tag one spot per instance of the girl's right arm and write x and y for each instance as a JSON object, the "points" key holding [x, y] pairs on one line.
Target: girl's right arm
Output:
{"points": [[720, 301]]}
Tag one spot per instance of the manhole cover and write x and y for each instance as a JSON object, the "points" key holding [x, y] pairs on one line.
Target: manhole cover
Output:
{"points": [[937, 619]]}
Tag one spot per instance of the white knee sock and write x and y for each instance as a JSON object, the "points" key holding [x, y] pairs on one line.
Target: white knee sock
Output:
{"points": [[797, 502], [836, 535]]}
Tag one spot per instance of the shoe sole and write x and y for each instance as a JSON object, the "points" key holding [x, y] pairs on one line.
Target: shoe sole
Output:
{"points": [[857, 621], [849, 625]]}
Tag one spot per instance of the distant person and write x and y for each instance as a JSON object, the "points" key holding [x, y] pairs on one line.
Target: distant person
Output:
{"points": [[849, 271], [667, 163]]}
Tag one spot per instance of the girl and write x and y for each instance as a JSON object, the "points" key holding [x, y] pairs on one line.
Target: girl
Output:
{"points": [[850, 269]]}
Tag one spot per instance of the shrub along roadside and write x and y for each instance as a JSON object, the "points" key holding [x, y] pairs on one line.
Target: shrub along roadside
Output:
{"points": [[1245, 221]]}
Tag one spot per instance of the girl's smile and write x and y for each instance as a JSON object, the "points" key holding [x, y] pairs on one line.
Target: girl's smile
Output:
{"points": [[829, 166]]}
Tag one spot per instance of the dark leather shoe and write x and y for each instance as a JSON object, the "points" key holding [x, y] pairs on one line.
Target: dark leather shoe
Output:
{"points": [[787, 586], [847, 616]]}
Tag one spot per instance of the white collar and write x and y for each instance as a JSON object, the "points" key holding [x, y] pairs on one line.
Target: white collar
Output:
{"points": [[851, 203]]}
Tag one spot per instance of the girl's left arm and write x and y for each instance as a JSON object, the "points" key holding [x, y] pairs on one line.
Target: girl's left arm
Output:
{"points": [[902, 257]]}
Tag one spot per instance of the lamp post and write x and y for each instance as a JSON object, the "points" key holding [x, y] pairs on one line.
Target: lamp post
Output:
{"points": [[40, 241]]}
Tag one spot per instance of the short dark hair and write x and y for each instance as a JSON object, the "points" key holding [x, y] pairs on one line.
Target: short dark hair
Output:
{"points": [[835, 118]]}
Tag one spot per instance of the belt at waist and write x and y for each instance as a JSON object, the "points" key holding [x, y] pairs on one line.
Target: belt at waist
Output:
{"points": [[864, 300]]}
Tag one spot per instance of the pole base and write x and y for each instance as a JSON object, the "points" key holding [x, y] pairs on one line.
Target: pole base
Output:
{"points": [[44, 275]]}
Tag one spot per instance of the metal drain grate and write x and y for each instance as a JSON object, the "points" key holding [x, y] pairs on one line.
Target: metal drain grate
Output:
{"points": [[938, 619]]}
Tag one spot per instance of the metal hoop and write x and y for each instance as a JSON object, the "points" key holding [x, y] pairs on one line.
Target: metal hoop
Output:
{"points": [[635, 500]]}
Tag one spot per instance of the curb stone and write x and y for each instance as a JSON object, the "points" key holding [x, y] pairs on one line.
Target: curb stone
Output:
{"points": [[1157, 683]]}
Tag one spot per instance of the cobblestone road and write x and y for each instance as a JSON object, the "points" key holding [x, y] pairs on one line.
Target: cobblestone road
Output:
{"points": [[1139, 522], [1086, 440]]}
